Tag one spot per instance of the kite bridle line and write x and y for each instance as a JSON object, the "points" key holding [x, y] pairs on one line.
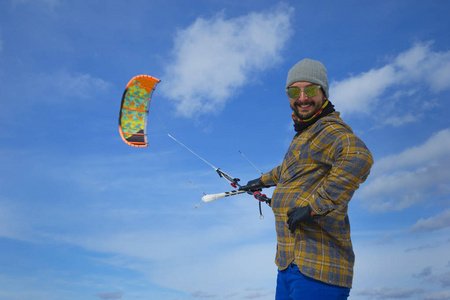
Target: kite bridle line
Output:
{"points": [[232, 180], [268, 202]]}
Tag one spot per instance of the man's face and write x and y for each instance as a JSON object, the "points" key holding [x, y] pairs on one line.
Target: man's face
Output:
{"points": [[305, 106]]}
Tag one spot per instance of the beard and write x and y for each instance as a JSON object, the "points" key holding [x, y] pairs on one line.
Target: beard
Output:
{"points": [[306, 109]]}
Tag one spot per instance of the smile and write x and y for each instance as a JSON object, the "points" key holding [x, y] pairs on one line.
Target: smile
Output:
{"points": [[304, 105]]}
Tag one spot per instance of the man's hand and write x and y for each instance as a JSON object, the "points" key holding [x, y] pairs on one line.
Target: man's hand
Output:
{"points": [[299, 215], [253, 186]]}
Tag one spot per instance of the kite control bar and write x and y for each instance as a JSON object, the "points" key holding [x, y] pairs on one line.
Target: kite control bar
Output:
{"points": [[214, 197], [234, 183]]}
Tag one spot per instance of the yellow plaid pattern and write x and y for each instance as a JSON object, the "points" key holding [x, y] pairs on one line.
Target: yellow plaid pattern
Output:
{"points": [[323, 167]]}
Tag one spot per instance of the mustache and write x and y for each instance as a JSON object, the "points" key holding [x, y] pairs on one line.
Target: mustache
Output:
{"points": [[298, 103]]}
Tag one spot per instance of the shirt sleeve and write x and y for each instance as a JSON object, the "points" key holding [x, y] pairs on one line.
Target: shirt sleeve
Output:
{"points": [[350, 168], [271, 178]]}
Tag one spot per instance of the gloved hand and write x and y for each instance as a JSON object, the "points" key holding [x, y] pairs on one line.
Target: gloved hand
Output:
{"points": [[253, 185], [299, 215]]}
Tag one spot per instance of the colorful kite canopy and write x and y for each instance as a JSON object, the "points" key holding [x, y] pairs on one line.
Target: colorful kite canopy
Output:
{"points": [[134, 110]]}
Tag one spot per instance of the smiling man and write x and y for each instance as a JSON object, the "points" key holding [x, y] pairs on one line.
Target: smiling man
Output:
{"points": [[323, 167]]}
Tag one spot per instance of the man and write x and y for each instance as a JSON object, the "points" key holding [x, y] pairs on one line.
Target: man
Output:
{"points": [[323, 167]]}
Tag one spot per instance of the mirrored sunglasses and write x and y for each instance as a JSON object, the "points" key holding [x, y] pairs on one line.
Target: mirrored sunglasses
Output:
{"points": [[294, 92]]}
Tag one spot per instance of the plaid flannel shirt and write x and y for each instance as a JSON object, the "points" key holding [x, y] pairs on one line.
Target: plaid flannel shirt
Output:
{"points": [[323, 167]]}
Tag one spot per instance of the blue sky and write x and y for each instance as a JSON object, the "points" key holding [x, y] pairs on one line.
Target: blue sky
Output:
{"points": [[84, 216]]}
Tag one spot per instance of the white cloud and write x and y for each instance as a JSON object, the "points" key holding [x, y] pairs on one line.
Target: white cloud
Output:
{"points": [[227, 255], [425, 167], [73, 85], [353, 94], [397, 121], [437, 222], [445, 295], [390, 293], [235, 270], [214, 57], [420, 63], [444, 279], [217, 262], [61, 86], [396, 276], [426, 272], [437, 147], [367, 92], [113, 295]]}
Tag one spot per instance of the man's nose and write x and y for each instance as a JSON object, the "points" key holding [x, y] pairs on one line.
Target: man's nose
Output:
{"points": [[302, 96]]}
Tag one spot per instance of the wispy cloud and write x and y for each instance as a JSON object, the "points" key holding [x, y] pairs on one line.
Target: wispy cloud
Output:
{"points": [[426, 272], [436, 148], [71, 85], [444, 279], [156, 254], [213, 58], [200, 294], [259, 294], [403, 77], [113, 295], [390, 293], [59, 87], [444, 295], [437, 222], [425, 167], [355, 93], [148, 237]]}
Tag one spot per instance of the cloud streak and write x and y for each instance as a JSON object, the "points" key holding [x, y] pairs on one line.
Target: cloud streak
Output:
{"points": [[73, 85], [404, 77], [390, 293], [213, 58], [114, 295], [437, 222], [425, 167], [445, 295]]}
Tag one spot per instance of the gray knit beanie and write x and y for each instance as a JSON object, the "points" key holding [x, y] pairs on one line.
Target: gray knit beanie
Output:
{"points": [[309, 70]]}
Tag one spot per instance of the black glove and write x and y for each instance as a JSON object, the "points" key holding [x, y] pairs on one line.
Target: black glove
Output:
{"points": [[253, 186], [299, 215]]}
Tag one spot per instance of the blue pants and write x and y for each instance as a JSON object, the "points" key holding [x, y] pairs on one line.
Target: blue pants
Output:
{"points": [[293, 285]]}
